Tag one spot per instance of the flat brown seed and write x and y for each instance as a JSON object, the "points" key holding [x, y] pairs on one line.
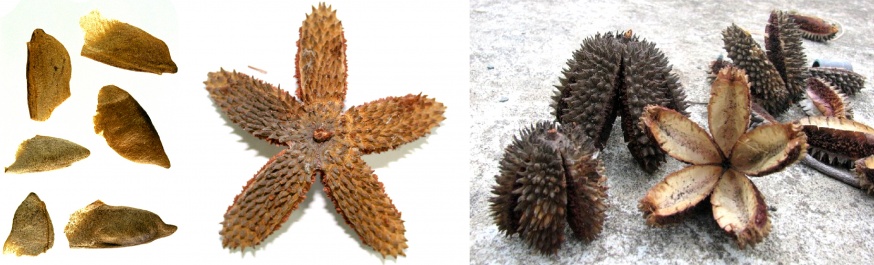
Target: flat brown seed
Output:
{"points": [[32, 232], [48, 74], [42, 153], [124, 46], [127, 128], [103, 226]]}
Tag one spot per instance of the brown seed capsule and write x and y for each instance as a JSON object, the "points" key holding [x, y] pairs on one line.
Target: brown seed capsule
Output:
{"points": [[124, 46], [48, 75], [103, 226], [42, 153], [127, 127], [32, 232], [814, 28]]}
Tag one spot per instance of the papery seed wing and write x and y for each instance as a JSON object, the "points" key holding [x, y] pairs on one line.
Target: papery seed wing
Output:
{"points": [[360, 198], [267, 200], [127, 127], [838, 141], [740, 209], [261, 109], [387, 123], [680, 137], [42, 153], [769, 148], [124, 46], [321, 57], [678, 192], [728, 113], [104, 226]]}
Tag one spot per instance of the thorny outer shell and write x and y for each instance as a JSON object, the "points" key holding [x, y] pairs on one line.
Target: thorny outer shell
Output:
{"points": [[127, 128], [124, 46], [322, 141], [737, 205], [549, 175], [617, 75], [848, 82], [766, 86], [32, 231], [43, 153], [103, 226], [48, 75], [824, 100], [783, 42], [838, 141], [814, 28]]}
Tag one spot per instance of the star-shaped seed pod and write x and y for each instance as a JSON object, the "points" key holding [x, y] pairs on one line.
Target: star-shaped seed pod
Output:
{"points": [[720, 164], [550, 175], [322, 141], [616, 76]]}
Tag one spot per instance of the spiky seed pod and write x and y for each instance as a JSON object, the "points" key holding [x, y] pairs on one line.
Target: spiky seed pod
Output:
{"points": [[550, 175], [848, 82], [48, 74], [824, 100], [864, 169], [766, 85], [32, 232], [838, 141], [617, 75], [814, 28], [783, 42]]}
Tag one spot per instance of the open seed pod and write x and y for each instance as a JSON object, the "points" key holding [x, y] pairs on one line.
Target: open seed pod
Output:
{"points": [[550, 175], [783, 42], [838, 141], [846, 81], [616, 75], [32, 232], [824, 100], [720, 164], [103, 226], [814, 28]]}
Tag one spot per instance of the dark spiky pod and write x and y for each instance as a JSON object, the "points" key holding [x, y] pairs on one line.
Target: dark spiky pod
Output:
{"points": [[617, 75], [766, 85], [814, 28], [550, 175], [715, 66], [783, 42], [848, 82]]}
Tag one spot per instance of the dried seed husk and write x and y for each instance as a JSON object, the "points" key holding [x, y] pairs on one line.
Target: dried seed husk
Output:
{"points": [[728, 113], [769, 148], [103, 226], [679, 192], [847, 81], [824, 100], [127, 128], [32, 232], [766, 85], [740, 209], [42, 153], [320, 62], [48, 74], [549, 175], [680, 137], [864, 169], [124, 46], [814, 28], [716, 66], [838, 141], [783, 42]]}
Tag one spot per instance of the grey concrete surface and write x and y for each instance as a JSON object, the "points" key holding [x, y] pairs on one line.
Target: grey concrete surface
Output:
{"points": [[517, 52]]}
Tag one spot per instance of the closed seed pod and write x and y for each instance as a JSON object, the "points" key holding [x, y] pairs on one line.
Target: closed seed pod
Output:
{"points": [[32, 232], [124, 46], [846, 81], [550, 176], [785, 52], [103, 226], [43, 153], [48, 74], [766, 85], [127, 128]]}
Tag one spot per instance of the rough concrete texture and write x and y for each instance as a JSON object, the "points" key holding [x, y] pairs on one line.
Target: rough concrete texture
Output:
{"points": [[518, 49]]}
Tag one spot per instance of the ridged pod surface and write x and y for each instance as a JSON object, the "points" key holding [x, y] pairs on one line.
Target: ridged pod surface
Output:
{"points": [[322, 141], [824, 100], [766, 85], [838, 141], [616, 75], [814, 28], [550, 176], [848, 82], [783, 43]]}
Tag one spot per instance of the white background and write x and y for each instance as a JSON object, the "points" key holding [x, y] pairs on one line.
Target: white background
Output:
{"points": [[394, 48]]}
